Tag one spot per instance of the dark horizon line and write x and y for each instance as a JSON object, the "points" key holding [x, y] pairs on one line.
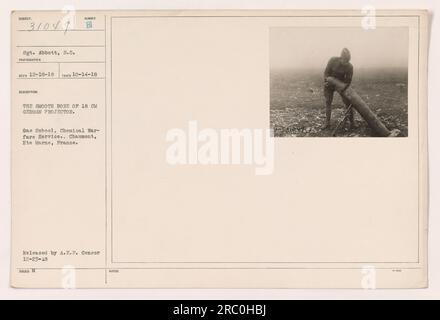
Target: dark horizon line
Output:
{"points": [[322, 68]]}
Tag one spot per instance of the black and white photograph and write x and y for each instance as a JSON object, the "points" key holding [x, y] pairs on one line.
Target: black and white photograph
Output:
{"points": [[339, 82]]}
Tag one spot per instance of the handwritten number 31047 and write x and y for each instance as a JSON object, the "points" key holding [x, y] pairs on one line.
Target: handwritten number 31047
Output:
{"points": [[47, 26]]}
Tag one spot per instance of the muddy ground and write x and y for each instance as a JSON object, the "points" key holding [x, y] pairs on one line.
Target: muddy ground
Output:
{"points": [[297, 105]]}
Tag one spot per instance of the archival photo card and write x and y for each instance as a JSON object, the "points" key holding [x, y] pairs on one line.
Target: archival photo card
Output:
{"points": [[219, 149]]}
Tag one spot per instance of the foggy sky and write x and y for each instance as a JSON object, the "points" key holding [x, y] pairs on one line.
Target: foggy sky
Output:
{"points": [[313, 47]]}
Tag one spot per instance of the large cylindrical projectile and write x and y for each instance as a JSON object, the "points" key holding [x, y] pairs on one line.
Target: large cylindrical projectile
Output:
{"points": [[356, 101]]}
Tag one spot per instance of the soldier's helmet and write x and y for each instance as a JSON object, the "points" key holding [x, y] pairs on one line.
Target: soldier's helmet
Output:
{"points": [[345, 54]]}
